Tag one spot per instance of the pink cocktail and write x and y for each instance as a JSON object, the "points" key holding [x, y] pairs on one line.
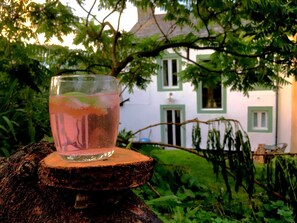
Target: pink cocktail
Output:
{"points": [[84, 116]]}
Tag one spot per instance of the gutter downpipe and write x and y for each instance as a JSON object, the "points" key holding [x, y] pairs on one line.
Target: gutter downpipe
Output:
{"points": [[276, 114]]}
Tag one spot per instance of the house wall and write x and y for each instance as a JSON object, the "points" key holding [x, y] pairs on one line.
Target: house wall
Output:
{"points": [[140, 111], [237, 108], [285, 100], [143, 109], [294, 118]]}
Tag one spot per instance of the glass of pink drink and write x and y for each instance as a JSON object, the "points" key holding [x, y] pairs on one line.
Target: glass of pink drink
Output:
{"points": [[84, 116]]}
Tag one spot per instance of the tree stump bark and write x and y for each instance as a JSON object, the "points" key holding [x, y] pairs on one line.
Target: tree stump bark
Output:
{"points": [[24, 197], [123, 170]]}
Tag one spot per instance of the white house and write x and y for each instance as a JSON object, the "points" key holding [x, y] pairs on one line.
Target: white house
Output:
{"points": [[266, 115]]}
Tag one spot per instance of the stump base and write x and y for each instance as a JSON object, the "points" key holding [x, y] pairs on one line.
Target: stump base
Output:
{"points": [[23, 198], [125, 169]]}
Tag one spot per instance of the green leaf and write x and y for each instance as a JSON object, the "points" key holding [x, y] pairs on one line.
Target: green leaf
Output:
{"points": [[4, 129], [5, 151], [10, 126], [165, 201]]}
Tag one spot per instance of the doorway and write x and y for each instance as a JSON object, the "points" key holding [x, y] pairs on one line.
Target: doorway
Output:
{"points": [[173, 133]]}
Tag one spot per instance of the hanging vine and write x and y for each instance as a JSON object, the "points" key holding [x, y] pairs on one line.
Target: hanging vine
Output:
{"points": [[228, 149], [283, 179]]}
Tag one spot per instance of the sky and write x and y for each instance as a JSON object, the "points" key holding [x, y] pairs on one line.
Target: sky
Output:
{"points": [[128, 19]]}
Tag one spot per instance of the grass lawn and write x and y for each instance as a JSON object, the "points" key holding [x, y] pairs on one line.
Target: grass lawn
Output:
{"points": [[196, 166], [194, 176], [188, 191]]}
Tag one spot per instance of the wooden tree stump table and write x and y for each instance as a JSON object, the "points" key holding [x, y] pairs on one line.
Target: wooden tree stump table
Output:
{"points": [[36, 185]]}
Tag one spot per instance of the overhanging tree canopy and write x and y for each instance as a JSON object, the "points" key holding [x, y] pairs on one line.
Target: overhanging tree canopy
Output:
{"points": [[253, 42], [252, 39]]}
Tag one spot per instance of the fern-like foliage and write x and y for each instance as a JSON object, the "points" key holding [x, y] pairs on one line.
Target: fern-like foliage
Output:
{"points": [[229, 150], [283, 179]]}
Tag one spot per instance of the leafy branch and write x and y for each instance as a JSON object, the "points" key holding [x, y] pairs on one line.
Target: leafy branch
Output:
{"points": [[231, 155]]}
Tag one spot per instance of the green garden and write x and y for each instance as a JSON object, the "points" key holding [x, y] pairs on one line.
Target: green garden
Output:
{"points": [[220, 184], [189, 191]]}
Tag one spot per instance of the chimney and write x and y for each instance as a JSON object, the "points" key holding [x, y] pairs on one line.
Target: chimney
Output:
{"points": [[144, 14]]}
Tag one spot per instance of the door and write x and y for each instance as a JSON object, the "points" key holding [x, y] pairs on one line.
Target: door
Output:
{"points": [[173, 133]]}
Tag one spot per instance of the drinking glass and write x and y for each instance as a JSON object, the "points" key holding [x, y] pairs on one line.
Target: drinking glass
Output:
{"points": [[84, 116]]}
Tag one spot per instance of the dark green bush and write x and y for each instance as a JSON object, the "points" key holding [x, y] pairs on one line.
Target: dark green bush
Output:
{"points": [[24, 116], [188, 191]]}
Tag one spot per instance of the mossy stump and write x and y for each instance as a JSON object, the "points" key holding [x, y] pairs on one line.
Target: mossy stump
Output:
{"points": [[37, 186]]}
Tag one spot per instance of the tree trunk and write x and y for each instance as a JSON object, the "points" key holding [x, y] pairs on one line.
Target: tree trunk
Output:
{"points": [[24, 197]]}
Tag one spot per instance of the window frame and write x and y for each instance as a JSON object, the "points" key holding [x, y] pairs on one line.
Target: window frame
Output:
{"points": [[200, 108], [269, 118], [160, 83], [180, 107]]}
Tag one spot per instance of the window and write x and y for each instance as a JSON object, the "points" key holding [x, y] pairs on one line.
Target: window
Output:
{"points": [[168, 79], [260, 119], [169, 73], [173, 134], [211, 99], [173, 131]]}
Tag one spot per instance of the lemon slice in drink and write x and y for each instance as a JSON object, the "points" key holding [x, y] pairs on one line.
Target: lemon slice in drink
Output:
{"points": [[84, 99]]}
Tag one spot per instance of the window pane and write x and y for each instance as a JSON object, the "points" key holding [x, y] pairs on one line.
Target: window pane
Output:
{"points": [[174, 72], [263, 120], [212, 97], [169, 127], [217, 92], [165, 73], [204, 96], [177, 128]]}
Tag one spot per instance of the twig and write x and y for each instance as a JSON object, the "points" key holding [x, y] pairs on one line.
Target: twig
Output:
{"points": [[170, 145], [153, 189], [195, 120]]}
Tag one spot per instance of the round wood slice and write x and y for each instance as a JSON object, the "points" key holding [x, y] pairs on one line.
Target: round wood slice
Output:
{"points": [[124, 169], [23, 198]]}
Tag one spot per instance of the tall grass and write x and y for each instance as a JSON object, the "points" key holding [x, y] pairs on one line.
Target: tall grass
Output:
{"points": [[184, 188]]}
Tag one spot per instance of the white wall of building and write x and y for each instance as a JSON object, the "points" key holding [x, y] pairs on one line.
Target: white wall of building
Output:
{"points": [[285, 103], [143, 109]]}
